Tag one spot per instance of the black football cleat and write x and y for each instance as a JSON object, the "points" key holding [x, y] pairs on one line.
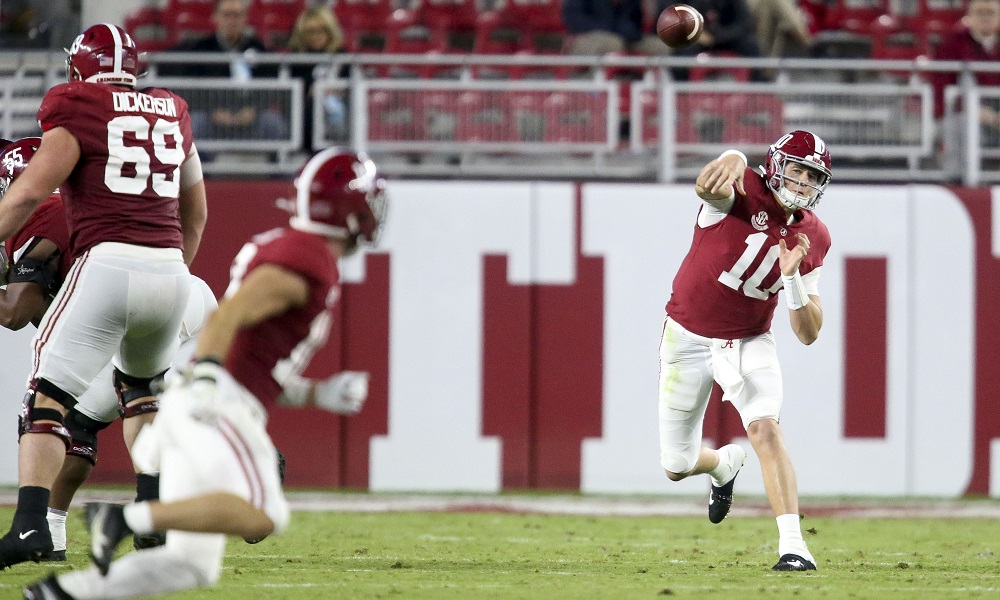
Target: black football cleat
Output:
{"points": [[108, 528], [54, 556], [46, 589], [721, 498], [25, 542], [793, 562]]}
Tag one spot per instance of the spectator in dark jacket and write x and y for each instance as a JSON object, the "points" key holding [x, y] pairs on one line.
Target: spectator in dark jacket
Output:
{"points": [[602, 26], [225, 117]]}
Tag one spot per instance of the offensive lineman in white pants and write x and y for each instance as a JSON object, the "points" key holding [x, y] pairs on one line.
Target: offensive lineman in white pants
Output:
{"points": [[218, 467], [756, 234]]}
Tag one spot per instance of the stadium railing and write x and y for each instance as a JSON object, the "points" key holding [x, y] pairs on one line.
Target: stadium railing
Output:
{"points": [[568, 117]]}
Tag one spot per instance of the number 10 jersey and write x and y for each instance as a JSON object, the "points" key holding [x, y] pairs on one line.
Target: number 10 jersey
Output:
{"points": [[727, 286], [126, 184]]}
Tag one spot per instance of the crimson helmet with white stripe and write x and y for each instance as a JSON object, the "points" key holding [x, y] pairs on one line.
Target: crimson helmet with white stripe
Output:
{"points": [[340, 194], [806, 149], [14, 158], [103, 53]]}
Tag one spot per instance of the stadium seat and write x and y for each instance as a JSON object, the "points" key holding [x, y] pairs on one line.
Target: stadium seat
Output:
{"points": [[273, 20], [892, 39], [520, 25], [201, 8], [854, 16], [364, 23], [451, 21], [147, 27], [190, 25]]}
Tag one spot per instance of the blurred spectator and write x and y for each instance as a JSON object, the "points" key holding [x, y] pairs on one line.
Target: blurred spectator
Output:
{"points": [[246, 120], [977, 40], [781, 28], [598, 27], [318, 31], [730, 28], [49, 24]]}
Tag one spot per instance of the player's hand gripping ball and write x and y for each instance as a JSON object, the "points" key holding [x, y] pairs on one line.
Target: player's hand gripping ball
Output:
{"points": [[679, 25]]}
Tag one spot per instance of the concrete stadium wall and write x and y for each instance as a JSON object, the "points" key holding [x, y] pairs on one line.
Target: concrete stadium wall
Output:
{"points": [[511, 330]]}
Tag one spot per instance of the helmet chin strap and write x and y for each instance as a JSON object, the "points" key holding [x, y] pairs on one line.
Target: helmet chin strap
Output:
{"points": [[790, 199]]}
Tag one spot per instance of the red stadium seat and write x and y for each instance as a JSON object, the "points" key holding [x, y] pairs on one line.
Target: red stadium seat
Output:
{"points": [[274, 20], [451, 21], [364, 23], [854, 16], [190, 25], [520, 25], [892, 39], [147, 27]]}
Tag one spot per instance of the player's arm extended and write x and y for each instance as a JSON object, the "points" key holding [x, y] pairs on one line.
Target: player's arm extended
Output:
{"points": [[24, 302], [50, 166], [719, 178], [267, 291], [343, 393], [192, 204]]}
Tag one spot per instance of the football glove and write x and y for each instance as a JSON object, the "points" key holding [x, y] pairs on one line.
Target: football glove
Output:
{"points": [[344, 393], [201, 388]]}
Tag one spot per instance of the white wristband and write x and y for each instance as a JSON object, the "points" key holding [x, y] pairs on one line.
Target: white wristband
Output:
{"points": [[737, 153], [795, 291]]}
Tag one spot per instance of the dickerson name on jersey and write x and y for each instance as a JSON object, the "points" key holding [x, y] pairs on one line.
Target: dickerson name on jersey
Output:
{"points": [[138, 102]]}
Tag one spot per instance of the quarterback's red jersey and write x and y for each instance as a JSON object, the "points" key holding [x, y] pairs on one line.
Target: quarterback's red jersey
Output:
{"points": [[303, 330], [49, 222], [125, 186], [728, 283]]}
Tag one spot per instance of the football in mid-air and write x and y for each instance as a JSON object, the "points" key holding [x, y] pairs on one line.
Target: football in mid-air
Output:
{"points": [[679, 25]]}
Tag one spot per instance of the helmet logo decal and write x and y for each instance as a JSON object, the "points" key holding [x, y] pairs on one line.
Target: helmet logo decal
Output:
{"points": [[759, 221], [364, 176], [12, 160]]}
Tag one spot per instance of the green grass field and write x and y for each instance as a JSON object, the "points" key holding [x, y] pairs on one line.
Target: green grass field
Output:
{"points": [[444, 555]]}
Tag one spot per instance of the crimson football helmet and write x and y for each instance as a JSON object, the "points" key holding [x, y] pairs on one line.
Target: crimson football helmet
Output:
{"points": [[340, 194], [806, 149], [14, 158], [103, 53]]}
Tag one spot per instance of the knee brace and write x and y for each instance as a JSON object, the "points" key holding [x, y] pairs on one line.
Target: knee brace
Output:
{"points": [[139, 387], [83, 432], [28, 420]]}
